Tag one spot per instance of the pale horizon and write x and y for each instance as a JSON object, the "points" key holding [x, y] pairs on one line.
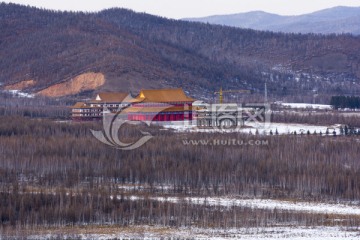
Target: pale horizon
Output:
{"points": [[198, 8]]}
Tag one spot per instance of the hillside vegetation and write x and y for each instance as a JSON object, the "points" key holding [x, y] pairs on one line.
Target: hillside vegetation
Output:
{"points": [[136, 50]]}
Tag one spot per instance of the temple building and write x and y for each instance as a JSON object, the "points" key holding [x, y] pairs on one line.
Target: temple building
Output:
{"points": [[93, 110], [162, 105]]}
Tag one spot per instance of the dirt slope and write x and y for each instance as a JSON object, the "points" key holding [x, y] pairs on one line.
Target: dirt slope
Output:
{"points": [[83, 82], [21, 85]]}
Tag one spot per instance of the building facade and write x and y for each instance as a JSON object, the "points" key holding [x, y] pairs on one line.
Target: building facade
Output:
{"points": [[164, 105], [94, 109], [161, 105]]}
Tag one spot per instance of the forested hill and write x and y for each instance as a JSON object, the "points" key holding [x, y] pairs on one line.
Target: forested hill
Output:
{"points": [[136, 50]]}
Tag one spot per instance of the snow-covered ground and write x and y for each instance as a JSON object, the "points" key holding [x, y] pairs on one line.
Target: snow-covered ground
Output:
{"points": [[260, 128], [305, 106], [289, 128], [268, 233], [309, 207], [18, 93], [276, 231], [279, 233], [140, 187]]}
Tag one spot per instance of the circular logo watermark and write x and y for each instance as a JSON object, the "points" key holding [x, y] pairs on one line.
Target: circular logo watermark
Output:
{"points": [[112, 122]]}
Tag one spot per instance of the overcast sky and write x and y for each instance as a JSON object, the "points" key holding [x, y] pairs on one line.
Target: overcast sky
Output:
{"points": [[193, 8]]}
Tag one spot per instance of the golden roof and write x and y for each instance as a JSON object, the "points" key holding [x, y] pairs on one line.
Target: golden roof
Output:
{"points": [[79, 105], [162, 96]]}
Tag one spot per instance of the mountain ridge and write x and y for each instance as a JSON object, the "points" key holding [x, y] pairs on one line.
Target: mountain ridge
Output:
{"points": [[335, 20]]}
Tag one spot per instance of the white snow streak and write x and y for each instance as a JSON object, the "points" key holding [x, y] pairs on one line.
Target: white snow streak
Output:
{"points": [[268, 233], [18, 93], [309, 207], [305, 106]]}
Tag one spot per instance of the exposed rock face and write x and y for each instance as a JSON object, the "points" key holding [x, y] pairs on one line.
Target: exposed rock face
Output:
{"points": [[83, 82], [21, 85]]}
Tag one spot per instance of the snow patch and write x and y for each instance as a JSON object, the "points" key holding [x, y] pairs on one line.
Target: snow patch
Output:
{"points": [[305, 106], [18, 93], [290, 128], [309, 207], [260, 128], [268, 233]]}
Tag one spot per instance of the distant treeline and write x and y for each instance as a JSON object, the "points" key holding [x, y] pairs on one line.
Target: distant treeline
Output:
{"points": [[37, 107], [345, 102]]}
